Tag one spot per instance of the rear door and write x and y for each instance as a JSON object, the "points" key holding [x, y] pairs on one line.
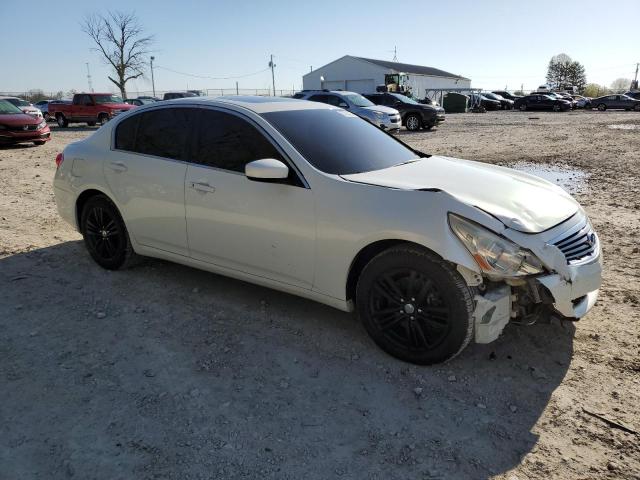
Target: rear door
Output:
{"points": [[266, 229], [145, 172]]}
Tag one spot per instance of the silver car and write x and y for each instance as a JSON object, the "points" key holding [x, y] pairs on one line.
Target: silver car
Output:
{"points": [[384, 117]]}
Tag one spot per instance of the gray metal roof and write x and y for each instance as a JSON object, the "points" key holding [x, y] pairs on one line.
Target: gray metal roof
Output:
{"points": [[409, 68]]}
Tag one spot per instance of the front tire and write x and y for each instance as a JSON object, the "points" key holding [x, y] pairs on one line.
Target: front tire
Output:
{"points": [[62, 121], [602, 107], [102, 119], [523, 107], [413, 123], [557, 108], [105, 234], [415, 306]]}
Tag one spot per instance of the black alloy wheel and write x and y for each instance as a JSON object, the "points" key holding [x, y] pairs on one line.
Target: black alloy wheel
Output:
{"points": [[105, 234], [415, 306]]}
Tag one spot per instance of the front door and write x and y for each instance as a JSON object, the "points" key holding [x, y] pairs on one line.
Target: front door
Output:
{"points": [[262, 228]]}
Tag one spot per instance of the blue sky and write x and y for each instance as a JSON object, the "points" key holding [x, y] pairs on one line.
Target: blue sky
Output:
{"points": [[495, 43]]}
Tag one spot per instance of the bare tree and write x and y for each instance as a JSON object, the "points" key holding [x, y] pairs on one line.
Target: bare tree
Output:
{"points": [[620, 84], [121, 41]]}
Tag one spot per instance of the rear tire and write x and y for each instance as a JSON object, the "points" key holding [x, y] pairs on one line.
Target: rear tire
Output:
{"points": [[523, 107], [62, 121], [413, 122], [415, 306], [39, 142], [91, 124], [105, 234], [46, 116]]}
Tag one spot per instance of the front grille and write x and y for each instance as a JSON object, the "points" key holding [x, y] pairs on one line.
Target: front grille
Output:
{"points": [[578, 244], [21, 128]]}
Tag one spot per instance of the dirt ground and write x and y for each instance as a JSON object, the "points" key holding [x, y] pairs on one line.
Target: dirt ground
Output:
{"points": [[166, 372]]}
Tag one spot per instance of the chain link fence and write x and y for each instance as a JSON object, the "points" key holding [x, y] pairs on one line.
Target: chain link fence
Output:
{"points": [[37, 95]]}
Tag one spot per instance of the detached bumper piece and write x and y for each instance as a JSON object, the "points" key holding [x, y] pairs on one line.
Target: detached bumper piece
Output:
{"points": [[492, 313]]}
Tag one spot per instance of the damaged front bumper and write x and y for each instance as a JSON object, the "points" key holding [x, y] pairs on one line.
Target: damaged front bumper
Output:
{"points": [[570, 295]]}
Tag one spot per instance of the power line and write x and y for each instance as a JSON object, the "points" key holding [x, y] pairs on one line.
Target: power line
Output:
{"points": [[210, 77]]}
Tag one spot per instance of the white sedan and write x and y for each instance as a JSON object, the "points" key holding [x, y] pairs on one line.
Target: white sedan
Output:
{"points": [[25, 106], [431, 252]]}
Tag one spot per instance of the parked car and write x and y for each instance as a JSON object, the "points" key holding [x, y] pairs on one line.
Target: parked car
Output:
{"points": [[43, 106], [414, 115], [174, 95], [505, 104], [507, 95], [540, 101], [148, 97], [138, 102], [565, 96], [89, 108], [581, 102], [633, 94], [24, 106], [431, 252], [612, 102], [486, 102], [19, 127], [383, 117]]}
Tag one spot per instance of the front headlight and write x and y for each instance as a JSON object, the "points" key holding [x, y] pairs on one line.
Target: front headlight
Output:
{"points": [[496, 256], [42, 124], [379, 115]]}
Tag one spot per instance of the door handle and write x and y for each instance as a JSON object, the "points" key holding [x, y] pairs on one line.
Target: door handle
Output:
{"points": [[118, 167], [202, 187]]}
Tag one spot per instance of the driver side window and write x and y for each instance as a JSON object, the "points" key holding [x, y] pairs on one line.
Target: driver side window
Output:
{"points": [[229, 142]]}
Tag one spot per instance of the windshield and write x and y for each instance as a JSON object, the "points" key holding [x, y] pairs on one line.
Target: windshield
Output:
{"points": [[358, 100], [404, 99], [338, 142], [8, 108], [18, 102], [107, 99]]}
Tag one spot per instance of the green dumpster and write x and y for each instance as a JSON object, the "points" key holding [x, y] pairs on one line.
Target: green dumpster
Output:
{"points": [[455, 103]]}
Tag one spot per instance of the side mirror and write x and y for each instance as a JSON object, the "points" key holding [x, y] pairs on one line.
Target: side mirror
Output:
{"points": [[266, 169], [343, 105]]}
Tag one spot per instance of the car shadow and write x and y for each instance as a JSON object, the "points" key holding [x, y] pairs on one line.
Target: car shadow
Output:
{"points": [[167, 371]]}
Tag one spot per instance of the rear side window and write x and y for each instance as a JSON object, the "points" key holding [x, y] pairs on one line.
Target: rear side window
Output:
{"points": [[126, 134], [161, 133], [229, 142]]}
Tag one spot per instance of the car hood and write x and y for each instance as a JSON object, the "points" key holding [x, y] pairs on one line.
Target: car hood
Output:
{"points": [[18, 119], [381, 108], [521, 201]]}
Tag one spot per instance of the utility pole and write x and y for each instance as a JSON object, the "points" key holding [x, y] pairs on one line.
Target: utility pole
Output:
{"points": [[153, 82], [89, 78], [237, 90], [635, 80], [273, 78], [311, 68], [395, 54]]}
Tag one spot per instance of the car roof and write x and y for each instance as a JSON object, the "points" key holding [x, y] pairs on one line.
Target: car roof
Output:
{"points": [[255, 104]]}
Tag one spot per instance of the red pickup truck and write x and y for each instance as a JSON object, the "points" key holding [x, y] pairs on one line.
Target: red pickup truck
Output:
{"points": [[89, 108]]}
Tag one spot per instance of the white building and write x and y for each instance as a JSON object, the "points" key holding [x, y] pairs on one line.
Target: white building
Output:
{"points": [[363, 75]]}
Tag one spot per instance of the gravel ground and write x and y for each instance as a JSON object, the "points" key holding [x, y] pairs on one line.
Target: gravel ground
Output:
{"points": [[165, 372]]}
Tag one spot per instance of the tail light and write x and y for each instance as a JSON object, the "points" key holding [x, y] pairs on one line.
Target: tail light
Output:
{"points": [[59, 159]]}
